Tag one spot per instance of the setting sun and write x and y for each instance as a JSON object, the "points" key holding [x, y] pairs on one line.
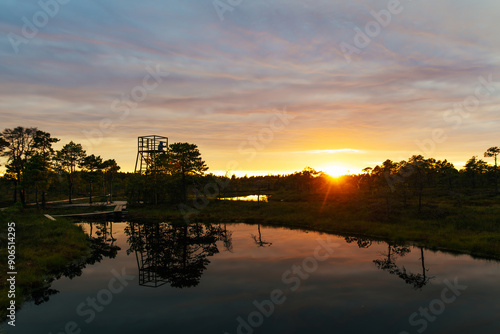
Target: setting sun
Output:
{"points": [[334, 170]]}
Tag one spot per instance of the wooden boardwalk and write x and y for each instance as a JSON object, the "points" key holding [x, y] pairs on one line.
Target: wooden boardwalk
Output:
{"points": [[120, 206]]}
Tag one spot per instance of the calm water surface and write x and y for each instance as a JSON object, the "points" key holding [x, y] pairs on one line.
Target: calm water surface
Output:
{"points": [[248, 198], [238, 278]]}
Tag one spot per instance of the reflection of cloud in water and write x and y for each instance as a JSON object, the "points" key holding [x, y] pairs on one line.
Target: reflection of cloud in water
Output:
{"points": [[347, 292]]}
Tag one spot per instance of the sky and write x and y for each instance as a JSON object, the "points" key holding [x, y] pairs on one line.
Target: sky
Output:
{"points": [[260, 86]]}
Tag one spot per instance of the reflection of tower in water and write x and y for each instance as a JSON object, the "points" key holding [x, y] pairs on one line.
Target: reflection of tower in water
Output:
{"points": [[174, 253], [147, 261]]}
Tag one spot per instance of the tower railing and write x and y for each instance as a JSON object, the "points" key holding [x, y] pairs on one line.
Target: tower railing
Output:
{"points": [[148, 147]]}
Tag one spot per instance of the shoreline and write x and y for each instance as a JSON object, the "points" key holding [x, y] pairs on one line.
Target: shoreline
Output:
{"points": [[440, 234], [43, 250]]}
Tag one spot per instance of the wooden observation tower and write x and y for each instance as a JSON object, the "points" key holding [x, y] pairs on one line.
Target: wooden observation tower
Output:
{"points": [[148, 147]]}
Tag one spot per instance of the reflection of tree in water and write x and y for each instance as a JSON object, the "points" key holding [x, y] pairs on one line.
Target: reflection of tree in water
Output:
{"points": [[388, 263], [226, 237], [258, 239], [418, 280], [362, 242], [174, 253], [101, 246]]}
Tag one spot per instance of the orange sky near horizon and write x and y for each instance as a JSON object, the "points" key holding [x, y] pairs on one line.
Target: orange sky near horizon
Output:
{"points": [[269, 87]]}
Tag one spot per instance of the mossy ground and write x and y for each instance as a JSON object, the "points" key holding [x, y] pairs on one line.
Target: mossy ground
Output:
{"points": [[43, 247]]}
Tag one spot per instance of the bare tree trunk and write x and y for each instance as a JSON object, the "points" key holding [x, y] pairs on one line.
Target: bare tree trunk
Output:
{"points": [[423, 263], [496, 176], [43, 199], [91, 190], [22, 196], [111, 189], [70, 180], [15, 191], [184, 193], [104, 186]]}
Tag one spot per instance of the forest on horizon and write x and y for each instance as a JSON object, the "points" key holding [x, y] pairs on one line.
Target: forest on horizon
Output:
{"points": [[36, 173]]}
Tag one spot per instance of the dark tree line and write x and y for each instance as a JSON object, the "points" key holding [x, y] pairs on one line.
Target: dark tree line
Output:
{"points": [[178, 175], [406, 178], [391, 184], [32, 165], [385, 189]]}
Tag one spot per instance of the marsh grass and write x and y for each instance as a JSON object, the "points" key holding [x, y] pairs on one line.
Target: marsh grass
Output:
{"points": [[473, 227], [43, 248]]}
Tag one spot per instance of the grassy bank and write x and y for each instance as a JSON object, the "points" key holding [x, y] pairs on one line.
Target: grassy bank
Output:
{"points": [[473, 227], [43, 249]]}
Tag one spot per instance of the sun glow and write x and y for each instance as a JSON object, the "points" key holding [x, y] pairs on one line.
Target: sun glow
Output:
{"points": [[334, 170]]}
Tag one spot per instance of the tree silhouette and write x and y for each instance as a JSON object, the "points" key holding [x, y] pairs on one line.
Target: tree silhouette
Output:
{"points": [[173, 253], [43, 146], [109, 168], [21, 143], [420, 167], [361, 242], [417, 280], [226, 237], [258, 240], [36, 171], [474, 168], [67, 160], [493, 152], [388, 263], [3, 144], [384, 175], [91, 165], [446, 172], [182, 160]]}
